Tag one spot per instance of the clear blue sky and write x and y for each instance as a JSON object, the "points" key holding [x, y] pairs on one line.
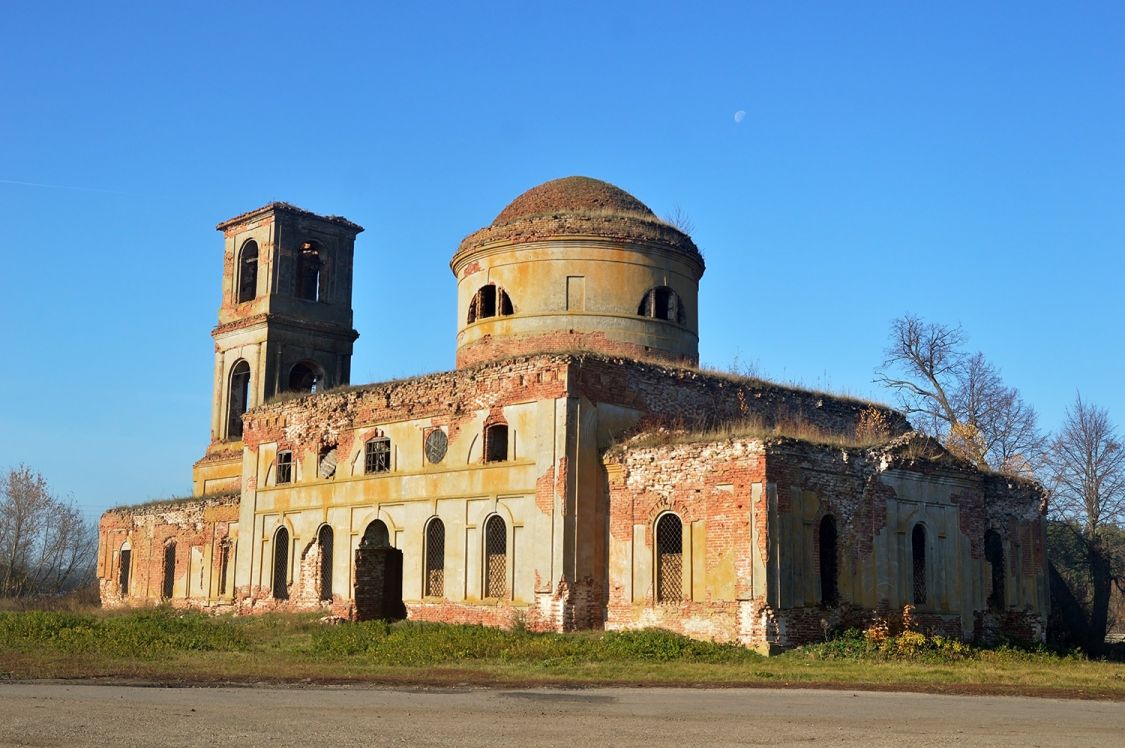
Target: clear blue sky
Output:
{"points": [[965, 162]]}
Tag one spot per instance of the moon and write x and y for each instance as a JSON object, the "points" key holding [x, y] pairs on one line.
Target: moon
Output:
{"points": [[739, 116]]}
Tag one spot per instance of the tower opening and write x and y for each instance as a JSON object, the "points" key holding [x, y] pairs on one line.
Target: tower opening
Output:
{"points": [[239, 395], [248, 272], [305, 377], [309, 266]]}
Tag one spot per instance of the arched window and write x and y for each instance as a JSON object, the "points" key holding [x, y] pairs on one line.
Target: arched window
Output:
{"points": [[309, 264], [489, 301], [377, 456], [248, 271], [496, 443], [169, 578], [305, 377], [324, 539], [994, 555], [238, 398], [125, 562], [376, 535], [495, 558], [829, 590], [281, 564], [918, 556], [669, 558], [434, 576], [662, 303]]}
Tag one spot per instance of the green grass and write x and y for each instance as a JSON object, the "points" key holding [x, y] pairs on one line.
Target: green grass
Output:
{"points": [[161, 645]]}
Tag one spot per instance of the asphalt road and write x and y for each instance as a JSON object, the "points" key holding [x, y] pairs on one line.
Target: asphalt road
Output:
{"points": [[78, 715]]}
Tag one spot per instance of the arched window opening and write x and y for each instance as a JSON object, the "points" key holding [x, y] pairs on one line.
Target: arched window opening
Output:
{"points": [[376, 535], [305, 377], [309, 263], [324, 539], [281, 564], [490, 301], [125, 562], [377, 456], [248, 272], [829, 584], [495, 558], [918, 554], [434, 577], [239, 398], [994, 555], [224, 566], [662, 303], [669, 559], [168, 579], [284, 467], [496, 443]]}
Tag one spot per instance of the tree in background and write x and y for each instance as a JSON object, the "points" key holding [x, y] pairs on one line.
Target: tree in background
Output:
{"points": [[1086, 468], [45, 545], [959, 398]]}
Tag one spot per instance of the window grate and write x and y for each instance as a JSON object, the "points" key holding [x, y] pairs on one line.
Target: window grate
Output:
{"points": [[918, 548], [669, 559], [496, 558], [377, 456], [435, 559]]}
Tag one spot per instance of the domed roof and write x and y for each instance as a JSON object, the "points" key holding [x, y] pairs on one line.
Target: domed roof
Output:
{"points": [[578, 207], [572, 195]]}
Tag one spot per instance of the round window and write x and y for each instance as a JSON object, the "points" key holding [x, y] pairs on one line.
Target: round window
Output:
{"points": [[436, 445]]}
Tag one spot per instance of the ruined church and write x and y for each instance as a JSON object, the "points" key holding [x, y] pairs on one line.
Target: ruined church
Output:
{"points": [[576, 470]]}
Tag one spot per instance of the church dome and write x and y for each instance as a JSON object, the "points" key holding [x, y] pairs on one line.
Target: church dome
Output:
{"points": [[572, 195]]}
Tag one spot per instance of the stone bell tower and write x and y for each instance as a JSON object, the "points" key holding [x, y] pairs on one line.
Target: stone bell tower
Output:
{"points": [[285, 322]]}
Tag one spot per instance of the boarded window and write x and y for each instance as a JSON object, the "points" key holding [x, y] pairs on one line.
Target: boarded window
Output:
{"points": [[284, 467], [994, 555], [125, 561], [662, 303], [669, 559], [305, 377], [325, 540], [168, 579], [435, 559], [489, 301], [496, 443], [309, 263], [918, 554], [238, 399], [377, 456], [829, 589], [281, 564], [248, 272], [495, 558]]}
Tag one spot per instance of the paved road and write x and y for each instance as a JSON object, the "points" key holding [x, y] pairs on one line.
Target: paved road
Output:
{"points": [[74, 715]]}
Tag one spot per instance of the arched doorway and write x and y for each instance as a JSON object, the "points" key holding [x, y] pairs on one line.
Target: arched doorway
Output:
{"points": [[378, 576]]}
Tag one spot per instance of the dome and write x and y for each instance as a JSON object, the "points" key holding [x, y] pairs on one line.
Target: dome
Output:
{"points": [[572, 195]]}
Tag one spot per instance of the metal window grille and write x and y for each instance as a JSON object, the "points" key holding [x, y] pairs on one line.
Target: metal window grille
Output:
{"points": [[125, 561], [377, 456], [435, 558], [918, 548], [169, 571], [495, 558], [281, 565], [669, 559], [284, 467]]}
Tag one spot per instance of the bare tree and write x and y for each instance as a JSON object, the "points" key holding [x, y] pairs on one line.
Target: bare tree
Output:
{"points": [[679, 219], [1087, 468], [960, 398], [45, 544]]}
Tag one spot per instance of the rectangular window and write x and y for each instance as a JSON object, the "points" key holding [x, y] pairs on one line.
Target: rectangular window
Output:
{"points": [[377, 456], [284, 467]]}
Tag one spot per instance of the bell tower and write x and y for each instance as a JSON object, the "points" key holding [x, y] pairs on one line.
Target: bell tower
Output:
{"points": [[285, 322]]}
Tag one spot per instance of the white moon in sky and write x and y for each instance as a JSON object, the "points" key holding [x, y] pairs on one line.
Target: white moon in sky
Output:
{"points": [[739, 116]]}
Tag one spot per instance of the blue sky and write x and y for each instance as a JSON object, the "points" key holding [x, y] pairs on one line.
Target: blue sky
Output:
{"points": [[961, 162]]}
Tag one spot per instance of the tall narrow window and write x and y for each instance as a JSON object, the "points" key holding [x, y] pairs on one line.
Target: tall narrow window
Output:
{"points": [[238, 399], [224, 566], [496, 443], [309, 264], [281, 564], [284, 467], [662, 303], [169, 578], [248, 271], [994, 555], [495, 558], [490, 301], [829, 590], [305, 377], [324, 539], [435, 559], [669, 559], [125, 561], [377, 456], [918, 555]]}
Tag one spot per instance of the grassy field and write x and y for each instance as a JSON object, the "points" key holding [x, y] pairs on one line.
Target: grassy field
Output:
{"points": [[163, 646]]}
